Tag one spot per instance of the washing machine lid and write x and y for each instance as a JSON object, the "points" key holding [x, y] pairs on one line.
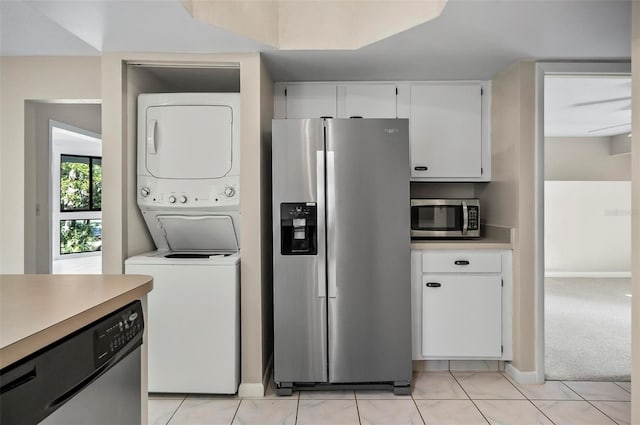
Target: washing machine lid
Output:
{"points": [[211, 233], [188, 141]]}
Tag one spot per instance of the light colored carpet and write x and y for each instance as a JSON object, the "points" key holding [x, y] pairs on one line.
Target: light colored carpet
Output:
{"points": [[588, 329]]}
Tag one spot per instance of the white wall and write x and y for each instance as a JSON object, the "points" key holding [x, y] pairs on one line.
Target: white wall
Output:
{"points": [[584, 158], [587, 228], [85, 116]]}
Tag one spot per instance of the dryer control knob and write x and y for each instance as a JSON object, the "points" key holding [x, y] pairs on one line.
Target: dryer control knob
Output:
{"points": [[229, 191], [183, 199], [172, 199], [145, 191]]}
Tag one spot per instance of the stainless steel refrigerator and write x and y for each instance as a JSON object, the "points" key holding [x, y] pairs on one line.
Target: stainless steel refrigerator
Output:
{"points": [[341, 235]]}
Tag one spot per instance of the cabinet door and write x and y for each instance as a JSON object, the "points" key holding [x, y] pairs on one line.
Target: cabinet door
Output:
{"points": [[461, 315], [367, 101], [446, 130], [311, 100]]}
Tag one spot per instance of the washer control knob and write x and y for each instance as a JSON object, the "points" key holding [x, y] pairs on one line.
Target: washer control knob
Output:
{"points": [[172, 199], [183, 199], [229, 191], [145, 191]]}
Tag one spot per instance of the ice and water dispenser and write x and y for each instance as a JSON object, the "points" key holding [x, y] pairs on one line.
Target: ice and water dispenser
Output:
{"points": [[298, 228]]}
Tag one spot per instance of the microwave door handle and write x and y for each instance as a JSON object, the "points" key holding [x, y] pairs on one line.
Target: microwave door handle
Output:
{"points": [[465, 218]]}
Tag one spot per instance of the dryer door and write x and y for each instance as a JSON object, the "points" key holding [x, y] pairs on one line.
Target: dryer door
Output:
{"points": [[188, 141]]}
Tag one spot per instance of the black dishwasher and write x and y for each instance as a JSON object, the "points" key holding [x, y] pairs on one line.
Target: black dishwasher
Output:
{"points": [[89, 377]]}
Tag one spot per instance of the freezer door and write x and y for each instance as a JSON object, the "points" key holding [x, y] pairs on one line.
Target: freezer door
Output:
{"points": [[299, 281], [368, 250]]}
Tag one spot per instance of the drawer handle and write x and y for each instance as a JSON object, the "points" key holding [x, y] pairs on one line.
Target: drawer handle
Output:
{"points": [[434, 284], [420, 168], [461, 263]]}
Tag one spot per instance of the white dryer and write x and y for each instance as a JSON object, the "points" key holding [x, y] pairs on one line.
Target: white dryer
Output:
{"points": [[188, 191]]}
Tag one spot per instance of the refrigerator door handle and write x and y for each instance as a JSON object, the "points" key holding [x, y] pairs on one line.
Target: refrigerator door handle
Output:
{"points": [[322, 241], [331, 225]]}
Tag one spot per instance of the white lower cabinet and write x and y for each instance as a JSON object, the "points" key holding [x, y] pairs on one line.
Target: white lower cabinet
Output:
{"points": [[461, 304], [461, 316]]}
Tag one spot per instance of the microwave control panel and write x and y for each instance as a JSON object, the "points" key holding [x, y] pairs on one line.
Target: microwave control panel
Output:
{"points": [[473, 218]]}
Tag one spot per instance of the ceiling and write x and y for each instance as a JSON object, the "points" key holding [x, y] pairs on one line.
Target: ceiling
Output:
{"points": [[472, 39], [587, 106]]}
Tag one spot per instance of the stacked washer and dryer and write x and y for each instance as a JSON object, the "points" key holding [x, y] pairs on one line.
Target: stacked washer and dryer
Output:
{"points": [[188, 190]]}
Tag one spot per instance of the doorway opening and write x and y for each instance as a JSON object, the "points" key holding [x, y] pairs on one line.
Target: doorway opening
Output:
{"points": [[76, 189], [583, 192]]}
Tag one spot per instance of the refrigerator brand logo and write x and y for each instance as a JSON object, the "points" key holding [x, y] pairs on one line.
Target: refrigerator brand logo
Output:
{"points": [[390, 130]]}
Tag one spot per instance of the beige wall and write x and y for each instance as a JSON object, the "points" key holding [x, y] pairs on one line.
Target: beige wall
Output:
{"points": [[124, 231], [635, 216], [507, 200], [24, 79], [266, 115], [584, 158]]}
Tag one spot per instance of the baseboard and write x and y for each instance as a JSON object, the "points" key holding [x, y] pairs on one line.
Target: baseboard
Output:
{"points": [[521, 377], [248, 389], [588, 274], [251, 390]]}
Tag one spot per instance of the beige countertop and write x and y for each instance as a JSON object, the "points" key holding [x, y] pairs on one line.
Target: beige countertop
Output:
{"points": [[37, 310], [494, 237]]}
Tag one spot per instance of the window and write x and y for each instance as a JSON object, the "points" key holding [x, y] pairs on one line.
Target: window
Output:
{"points": [[80, 183], [80, 191]]}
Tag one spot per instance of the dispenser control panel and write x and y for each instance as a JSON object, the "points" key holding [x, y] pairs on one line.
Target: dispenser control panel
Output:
{"points": [[298, 228]]}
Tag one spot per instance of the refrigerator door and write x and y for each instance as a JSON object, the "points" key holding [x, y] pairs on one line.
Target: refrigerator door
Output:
{"points": [[299, 279], [368, 251]]}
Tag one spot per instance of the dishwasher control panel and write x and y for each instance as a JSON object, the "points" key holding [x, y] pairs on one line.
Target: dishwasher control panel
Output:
{"points": [[116, 332]]}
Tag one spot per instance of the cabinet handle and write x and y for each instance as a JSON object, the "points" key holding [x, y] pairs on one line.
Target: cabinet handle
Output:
{"points": [[420, 168], [434, 284], [461, 263]]}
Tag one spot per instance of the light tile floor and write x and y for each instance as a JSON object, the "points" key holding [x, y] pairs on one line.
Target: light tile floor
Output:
{"points": [[439, 398]]}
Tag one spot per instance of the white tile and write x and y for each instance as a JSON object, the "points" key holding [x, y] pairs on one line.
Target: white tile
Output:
{"points": [[385, 412], [550, 390], [625, 385], [206, 411], [436, 386], [474, 366], [379, 395], [450, 412], [266, 412], [327, 395], [512, 412], [487, 386], [572, 413], [162, 409], [327, 412], [619, 411], [601, 391]]}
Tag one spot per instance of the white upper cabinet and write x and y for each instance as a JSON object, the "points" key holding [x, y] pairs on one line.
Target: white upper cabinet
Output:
{"points": [[367, 101], [449, 141], [308, 100], [449, 120]]}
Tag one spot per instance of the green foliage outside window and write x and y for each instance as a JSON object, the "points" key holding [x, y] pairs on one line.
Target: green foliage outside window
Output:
{"points": [[78, 236], [80, 190]]}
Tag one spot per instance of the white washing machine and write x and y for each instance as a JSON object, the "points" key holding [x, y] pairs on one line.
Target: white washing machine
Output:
{"points": [[193, 321], [188, 191]]}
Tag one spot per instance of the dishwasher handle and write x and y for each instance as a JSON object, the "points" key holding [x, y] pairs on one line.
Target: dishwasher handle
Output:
{"points": [[28, 376]]}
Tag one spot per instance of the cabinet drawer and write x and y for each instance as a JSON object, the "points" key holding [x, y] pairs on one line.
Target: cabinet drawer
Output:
{"points": [[461, 262]]}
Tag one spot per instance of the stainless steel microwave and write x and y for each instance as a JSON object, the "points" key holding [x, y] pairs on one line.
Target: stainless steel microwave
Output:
{"points": [[445, 218]]}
